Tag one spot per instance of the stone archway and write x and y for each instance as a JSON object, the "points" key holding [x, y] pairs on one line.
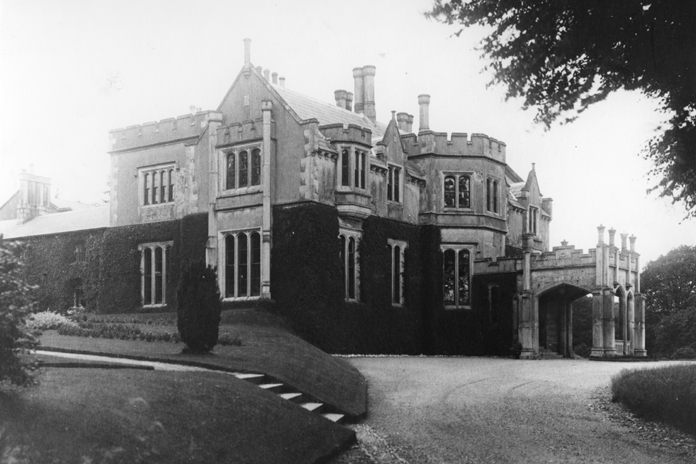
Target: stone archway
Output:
{"points": [[555, 316]]}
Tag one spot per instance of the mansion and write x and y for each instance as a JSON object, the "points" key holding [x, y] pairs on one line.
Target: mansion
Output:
{"points": [[372, 237]]}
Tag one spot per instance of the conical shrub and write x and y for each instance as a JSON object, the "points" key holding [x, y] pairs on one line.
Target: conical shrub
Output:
{"points": [[198, 307]]}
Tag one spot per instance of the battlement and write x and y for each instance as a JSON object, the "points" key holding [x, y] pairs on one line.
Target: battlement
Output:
{"points": [[500, 265], [163, 131], [456, 144], [565, 256], [239, 132], [346, 133]]}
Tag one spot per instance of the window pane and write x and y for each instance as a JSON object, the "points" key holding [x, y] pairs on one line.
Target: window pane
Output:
{"points": [[488, 195], [351, 268], [229, 266], [243, 169], [448, 277], [362, 169], [342, 257], [163, 186], [231, 172], [345, 168], [390, 184], [153, 198], [495, 196], [146, 189], [255, 264], [396, 275], [159, 284], [464, 192], [449, 191], [256, 167], [463, 289], [171, 185], [147, 276], [397, 182], [243, 267]]}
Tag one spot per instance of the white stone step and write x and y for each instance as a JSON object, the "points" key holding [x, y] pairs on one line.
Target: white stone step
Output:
{"points": [[270, 386], [333, 417], [311, 406], [254, 378], [290, 396]]}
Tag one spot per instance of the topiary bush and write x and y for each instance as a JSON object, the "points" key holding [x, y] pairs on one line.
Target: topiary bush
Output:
{"points": [[685, 352], [198, 307]]}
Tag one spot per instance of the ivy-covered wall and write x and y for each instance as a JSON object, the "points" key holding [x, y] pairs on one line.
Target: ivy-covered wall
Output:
{"points": [[53, 267], [119, 277]]}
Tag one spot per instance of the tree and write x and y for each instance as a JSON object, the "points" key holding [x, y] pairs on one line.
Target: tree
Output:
{"points": [[561, 56], [15, 305], [198, 308]]}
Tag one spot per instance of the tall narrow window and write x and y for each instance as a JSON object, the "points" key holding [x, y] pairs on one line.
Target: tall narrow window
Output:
{"points": [[393, 183], [360, 166], [351, 268], [229, 266], [456, 277], [159, 275], [457, 191], [464, 192], [231, 172], [243, 169], [345, 168], [397, 184], [146, 189], [80, 252], [255, 264], [154, 188], [342, 257], [397, 249], [147, 277], [243, 265], [163, 186], [495, 196], [450, 191], [256, 167], [171, 185], [489, 195], [533, 213]]}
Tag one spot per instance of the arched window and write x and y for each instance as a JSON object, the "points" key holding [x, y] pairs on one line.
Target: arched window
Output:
{"points": [[350, 263], [155, 190], [256, 167], [243, 265], [342, 255], [157, 186], [345, 167], [393, 183], [153, 264], [351, 268], [360, 164], [231, 172], [463, 192], [397, 249], [229, 266], [450, 193], [456, 276], [243, 169]]}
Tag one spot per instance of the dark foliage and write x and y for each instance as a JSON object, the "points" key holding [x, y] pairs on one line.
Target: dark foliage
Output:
{"points": [[16, 302], [563, 56], [675, 331], [198, 307]]}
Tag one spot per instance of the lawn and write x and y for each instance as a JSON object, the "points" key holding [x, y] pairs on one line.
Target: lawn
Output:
{"points": [[267, 347], [132, 416]]}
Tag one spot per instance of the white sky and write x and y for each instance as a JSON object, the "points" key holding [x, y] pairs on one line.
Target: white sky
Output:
{"points": [[72, 70]]}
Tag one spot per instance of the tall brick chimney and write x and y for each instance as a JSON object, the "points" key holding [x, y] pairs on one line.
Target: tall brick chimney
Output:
{"points": [[369, 88], [402, 121], [340, 96], [349, 101], [359, 90], [424, 103]]}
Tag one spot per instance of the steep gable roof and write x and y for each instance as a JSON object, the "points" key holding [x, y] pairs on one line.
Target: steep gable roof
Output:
{"points": [[58, 223]]}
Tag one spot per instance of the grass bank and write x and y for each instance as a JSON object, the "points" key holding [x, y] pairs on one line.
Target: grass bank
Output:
{"points": [[666, 394], [104, 415]]}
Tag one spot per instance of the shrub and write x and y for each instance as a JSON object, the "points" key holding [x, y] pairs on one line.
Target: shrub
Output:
{"points": [[685, 352], [15, 305], [47, 320], [116, 331], [667, 393], [198, 307], [582, 350]]}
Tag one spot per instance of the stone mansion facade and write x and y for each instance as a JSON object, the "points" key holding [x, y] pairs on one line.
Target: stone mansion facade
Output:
{"points": [[433, 239]]}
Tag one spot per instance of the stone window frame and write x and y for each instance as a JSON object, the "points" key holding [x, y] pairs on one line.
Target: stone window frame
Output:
{"points": [[395, 183], [223, 268], [153, 247], [456, 247], [356, 236], [80, 253], [397, 299], [457, 174], [349, 174], [493, 195], [150, 188], [250, 187], [533, 220]]}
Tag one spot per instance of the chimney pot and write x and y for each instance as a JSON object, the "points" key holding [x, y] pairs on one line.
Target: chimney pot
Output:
{"points": [[409, 127], [282, 81], [247, 51], [424, 102], [275, 77], [612, 231], [266, 74], [369, 72], [402, 121], [359, 90], [349, 101], [340, 96]]}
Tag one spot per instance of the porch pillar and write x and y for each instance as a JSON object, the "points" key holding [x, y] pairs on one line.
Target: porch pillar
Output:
{"points": [[526, 327], [597, 325], [639, 331], [569, 331], [631, 325], [608, 322], [266, 107]]}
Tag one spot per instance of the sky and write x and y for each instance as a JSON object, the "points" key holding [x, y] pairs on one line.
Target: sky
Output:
{"points": [[72, 70]]}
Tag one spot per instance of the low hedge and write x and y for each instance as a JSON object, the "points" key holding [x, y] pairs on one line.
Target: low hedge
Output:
{"points": [[666, 394]]}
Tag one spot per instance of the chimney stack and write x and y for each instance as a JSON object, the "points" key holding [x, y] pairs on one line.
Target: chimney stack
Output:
{"points": [[359, 90], [340, 96], [402, 121], [282, 81], [632, 238], [612, 232], [369, 89], [409, 126], [247, 52], [424, 102], [623, 241], [349, 101], [267, 74], [275, 77], [259, 69]]}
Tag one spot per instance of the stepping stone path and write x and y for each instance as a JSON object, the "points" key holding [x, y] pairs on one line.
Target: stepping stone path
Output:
{"points": [[289, 394]]}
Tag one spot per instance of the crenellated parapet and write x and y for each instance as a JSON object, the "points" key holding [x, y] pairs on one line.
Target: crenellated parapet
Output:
{"points": [[349, 133], [164, 131], [239, 132], [456, 144], [564, 256], [497, 266]]}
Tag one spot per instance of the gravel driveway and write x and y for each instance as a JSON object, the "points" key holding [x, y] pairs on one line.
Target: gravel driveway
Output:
{"points": [[480, 410]]}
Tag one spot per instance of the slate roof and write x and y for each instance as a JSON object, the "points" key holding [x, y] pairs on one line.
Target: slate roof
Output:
{"points": [[327, 113], [58, 223]]}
